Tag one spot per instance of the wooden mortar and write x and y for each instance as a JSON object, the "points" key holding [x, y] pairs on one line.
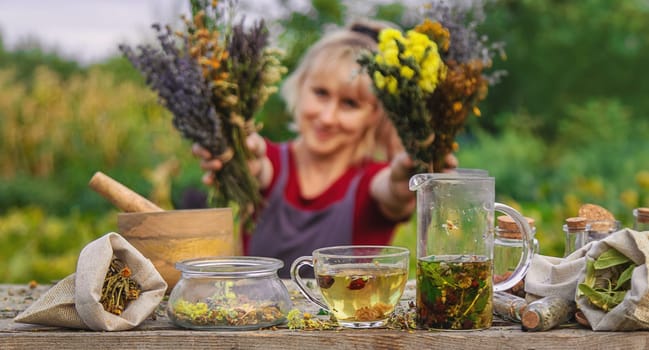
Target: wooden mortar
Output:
{"points": [[166, 237]]}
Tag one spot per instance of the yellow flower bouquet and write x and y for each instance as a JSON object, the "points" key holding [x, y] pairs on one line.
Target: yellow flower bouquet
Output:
{"points": [[429, 80]]}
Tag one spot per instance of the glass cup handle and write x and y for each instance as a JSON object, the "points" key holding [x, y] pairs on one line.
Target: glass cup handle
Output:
{"points": [[295, 276], [528, 248]]}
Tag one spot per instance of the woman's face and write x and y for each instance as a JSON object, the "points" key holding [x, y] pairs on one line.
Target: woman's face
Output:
{"points": [[335, 107]]}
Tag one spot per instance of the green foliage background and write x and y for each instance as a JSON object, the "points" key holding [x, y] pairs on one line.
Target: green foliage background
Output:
{"points": [[568, 125]]}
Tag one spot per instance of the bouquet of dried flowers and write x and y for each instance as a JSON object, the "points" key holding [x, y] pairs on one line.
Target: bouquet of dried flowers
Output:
{"points": [[213, 76], [430, 79]]}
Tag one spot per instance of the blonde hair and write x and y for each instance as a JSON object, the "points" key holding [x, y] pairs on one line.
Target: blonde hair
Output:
{"points": [[342, 45]]}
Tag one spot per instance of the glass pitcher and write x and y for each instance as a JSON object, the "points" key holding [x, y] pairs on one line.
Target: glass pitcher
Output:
{"points": [[455, 242]]}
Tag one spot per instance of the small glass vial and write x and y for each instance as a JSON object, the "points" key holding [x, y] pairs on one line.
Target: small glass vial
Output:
{"points": [[576, 231], [508, 306], [641, 219], [547, 313], [508, 249]]}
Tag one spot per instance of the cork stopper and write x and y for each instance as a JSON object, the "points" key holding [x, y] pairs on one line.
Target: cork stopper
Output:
{"points": [[507, 227], [576, 223], [594, 212], [531, 320], [642, 215], [599, 218]]}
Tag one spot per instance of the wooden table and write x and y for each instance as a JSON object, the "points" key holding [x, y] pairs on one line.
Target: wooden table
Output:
{"points": [[160, 333]]}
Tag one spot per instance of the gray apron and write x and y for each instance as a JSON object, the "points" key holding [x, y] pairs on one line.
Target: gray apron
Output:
{"points": [[286, 232]]}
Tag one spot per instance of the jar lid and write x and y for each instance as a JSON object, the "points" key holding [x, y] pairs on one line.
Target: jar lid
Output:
{"points": [[576, 223], [506, 222], [507, 226], [642, 215], [230, 266], [604, 226]]}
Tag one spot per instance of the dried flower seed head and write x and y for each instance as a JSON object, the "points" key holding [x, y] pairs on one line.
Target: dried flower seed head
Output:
{"points": [[126, 272]]}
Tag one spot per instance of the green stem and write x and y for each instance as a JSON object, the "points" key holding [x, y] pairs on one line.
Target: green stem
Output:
{"points": [[477, 296]]}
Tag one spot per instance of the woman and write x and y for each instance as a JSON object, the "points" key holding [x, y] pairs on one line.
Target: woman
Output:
{"points": [[326, 187]]}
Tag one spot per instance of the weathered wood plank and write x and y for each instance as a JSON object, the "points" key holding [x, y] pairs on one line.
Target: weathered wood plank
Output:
{"points": [[159, 333], [345, 339]]}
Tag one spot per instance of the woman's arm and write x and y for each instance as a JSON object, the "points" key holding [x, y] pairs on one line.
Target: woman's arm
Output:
{"points": [[390, 188]]}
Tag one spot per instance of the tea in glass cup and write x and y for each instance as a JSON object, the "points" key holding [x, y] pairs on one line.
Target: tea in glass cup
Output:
{"points": [[360, 285]]}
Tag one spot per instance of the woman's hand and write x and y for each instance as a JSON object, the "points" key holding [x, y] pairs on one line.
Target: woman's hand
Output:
{"points": [[451, 162], [401, 169], [259, 166], [391, 186], [391, 190], [208, 163]]}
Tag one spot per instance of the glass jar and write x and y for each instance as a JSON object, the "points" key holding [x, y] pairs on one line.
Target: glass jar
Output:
{"points": [[599, 229], [576, 232], [508, 248], [641, 219], [230, 293]]}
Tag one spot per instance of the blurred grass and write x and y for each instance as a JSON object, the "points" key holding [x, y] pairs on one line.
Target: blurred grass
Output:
{"points": [[37, 246], [55, 133]]}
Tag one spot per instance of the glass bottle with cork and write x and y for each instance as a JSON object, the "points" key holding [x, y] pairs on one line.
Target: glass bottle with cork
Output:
{"points": [[508, 248], [601, 222], [641, 219], [600, 229], [576, 231]]}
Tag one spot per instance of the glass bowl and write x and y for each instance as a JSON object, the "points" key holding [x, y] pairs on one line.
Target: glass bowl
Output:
{"points": [[229, 293]]}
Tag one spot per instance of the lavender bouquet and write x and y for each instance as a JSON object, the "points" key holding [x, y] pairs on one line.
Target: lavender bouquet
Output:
{"points": [[213, 76]]}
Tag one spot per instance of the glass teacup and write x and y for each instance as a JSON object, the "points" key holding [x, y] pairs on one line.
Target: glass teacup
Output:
{"points": [[360, 285]]}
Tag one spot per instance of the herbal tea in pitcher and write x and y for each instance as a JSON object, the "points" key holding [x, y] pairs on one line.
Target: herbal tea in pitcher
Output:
{"points": [[362, 293], [454, 292], [455, 249]]}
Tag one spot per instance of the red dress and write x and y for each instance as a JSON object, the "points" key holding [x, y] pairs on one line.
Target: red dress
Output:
{"points": [[291, 225]]}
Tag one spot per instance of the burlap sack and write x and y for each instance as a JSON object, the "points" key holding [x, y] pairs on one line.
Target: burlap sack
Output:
{"points": [[561, 276], [74, 301]]}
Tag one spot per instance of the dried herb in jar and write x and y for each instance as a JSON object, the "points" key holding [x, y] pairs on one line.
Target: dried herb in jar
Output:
{"points": [[206, 314], [225, 309], [118, 289]]}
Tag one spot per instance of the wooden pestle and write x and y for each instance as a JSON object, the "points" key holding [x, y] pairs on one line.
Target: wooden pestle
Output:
{"points": [[121, 196]]}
